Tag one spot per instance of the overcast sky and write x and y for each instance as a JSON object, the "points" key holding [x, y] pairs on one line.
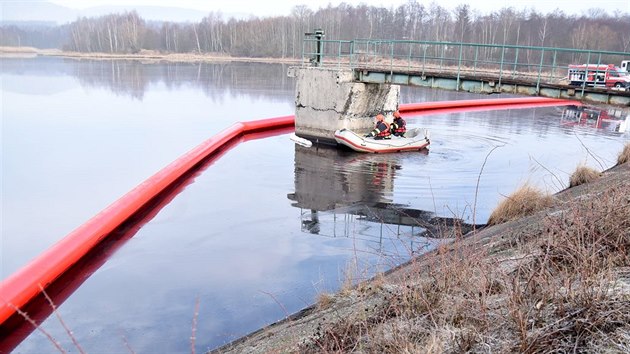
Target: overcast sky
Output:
{"points": [[283, 7]]}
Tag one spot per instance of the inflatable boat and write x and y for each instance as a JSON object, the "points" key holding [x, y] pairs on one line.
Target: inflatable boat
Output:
{"points": [[415, 139]]}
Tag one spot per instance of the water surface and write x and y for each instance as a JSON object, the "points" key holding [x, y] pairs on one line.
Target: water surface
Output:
{"points": [[262, 230]]}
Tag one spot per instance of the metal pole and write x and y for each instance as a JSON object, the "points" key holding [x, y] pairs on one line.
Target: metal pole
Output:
{"points": [[475, 63], [542, 56], [339, 56], [303, 42], [588, 62], [424, 58], [501, 67], [553, 65], [351, 53], [515, 63], [459, 65], [391, 61], [318, 56]]}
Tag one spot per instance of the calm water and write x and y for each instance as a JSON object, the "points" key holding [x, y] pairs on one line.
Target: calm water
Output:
{"points": [[262, 230]]}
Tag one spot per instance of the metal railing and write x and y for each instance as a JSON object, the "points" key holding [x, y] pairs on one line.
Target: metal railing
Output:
{"points": [[539, 65]]}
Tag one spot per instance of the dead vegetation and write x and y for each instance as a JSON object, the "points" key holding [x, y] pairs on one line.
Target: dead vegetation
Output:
{"points": [[624, 155], [557, 281], [566, 289], [583, 174], [525, 201]]}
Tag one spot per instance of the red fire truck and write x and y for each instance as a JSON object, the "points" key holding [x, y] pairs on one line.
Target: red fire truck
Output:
{"points": [[599, 76]]}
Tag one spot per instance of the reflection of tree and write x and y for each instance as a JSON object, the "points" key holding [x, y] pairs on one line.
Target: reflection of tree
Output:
{"points": [[132, 78], [125, 78]]}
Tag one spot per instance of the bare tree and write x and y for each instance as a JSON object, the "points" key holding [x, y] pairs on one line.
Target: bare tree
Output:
{"points": [[282, 36]]}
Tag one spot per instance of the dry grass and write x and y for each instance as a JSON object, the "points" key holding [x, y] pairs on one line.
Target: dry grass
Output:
{"points": [[525, 201], [555, 283], [324, 300], [566, 289], [583, 174], [573, 280], [624, 155]]}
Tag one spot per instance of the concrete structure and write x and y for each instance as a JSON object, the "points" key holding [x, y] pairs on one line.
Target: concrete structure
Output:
{"points": [[328, 99]]}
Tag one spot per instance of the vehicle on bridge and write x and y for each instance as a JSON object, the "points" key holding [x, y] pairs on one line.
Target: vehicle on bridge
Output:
{"points": [[599, 76], [625, 65]]}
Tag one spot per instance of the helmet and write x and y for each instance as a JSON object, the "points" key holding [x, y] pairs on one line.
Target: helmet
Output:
{"points": [[380, 117], [397, 114]]}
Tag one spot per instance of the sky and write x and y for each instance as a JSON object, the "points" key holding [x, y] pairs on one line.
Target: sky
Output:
{"points": [[263, 8]]}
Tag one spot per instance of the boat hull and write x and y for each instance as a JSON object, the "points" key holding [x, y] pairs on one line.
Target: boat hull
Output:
{"points": [[416, 139]]}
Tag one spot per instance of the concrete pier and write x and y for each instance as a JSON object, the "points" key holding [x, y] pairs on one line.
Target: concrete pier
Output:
{"points": [[328, 99]]}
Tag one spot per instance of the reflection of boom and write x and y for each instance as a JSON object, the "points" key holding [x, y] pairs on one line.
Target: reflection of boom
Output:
{"points": [[20, 288]]}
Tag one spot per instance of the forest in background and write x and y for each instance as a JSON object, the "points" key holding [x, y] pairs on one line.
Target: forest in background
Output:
{"points": [[281, 36]]}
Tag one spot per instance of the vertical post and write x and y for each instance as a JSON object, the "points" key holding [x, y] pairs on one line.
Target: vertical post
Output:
{"points": [[585, 75], [391, 61], [501, 67], [599, 61], [303, 44], [515, 63], [409, 58], [553, 65], [459, 65], [542, 57], [318, 34], [424, 58], [339, 55], [351, 52], [475, 63]]}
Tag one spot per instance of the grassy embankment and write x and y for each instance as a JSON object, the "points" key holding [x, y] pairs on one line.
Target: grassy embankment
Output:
{"points": [[552, 275]]}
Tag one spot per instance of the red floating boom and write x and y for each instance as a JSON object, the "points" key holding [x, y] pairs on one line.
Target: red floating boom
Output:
{"points": [[19, 288], [25, 284]]}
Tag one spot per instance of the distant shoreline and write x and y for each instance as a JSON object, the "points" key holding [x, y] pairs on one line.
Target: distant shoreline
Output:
{"points": [[143, 55]]}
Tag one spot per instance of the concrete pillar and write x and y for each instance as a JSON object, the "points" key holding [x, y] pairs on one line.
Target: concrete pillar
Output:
{"points": [[327, 99]]}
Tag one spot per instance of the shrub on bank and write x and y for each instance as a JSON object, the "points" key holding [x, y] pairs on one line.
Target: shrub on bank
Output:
{"points": [[583, 174], [563, 290], [624, 155], [525, 201]]}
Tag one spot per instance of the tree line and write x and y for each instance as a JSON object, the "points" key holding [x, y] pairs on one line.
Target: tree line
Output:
{"points": [[282, 36]]}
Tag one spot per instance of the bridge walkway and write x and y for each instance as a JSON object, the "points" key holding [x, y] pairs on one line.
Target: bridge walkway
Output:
{"points": [[471, 67]]}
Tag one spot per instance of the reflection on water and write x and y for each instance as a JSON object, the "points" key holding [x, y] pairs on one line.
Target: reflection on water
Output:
{"points": [[334, 188], [79, 134], [132, 78], [610, 119]]}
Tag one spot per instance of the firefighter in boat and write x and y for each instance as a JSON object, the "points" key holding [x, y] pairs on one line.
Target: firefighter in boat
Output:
{"points": [[382, 129], [399, 126]]}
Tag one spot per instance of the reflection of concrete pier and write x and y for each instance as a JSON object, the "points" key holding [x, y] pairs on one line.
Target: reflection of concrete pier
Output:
{"points": [[334, 182], [323, 181]]}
